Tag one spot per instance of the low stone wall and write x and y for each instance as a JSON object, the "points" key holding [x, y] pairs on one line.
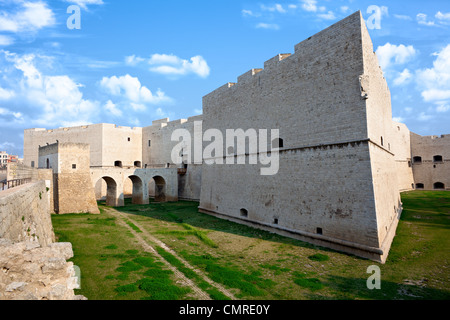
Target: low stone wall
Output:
{"points": [[32, 266], [31, 272], [25, 214]]}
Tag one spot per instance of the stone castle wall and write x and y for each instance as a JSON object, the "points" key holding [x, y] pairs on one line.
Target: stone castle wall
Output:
{"points": [[73, 187], [25, 214], [428, 172], [109, 143], [329, 186]]}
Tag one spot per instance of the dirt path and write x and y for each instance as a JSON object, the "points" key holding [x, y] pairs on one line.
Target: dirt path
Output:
{"points": [[199, 293]]}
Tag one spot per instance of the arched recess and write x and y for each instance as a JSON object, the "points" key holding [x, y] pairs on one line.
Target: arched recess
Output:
{"points": [[138, 190], [439, 186], [112, 197], [158, 184]]}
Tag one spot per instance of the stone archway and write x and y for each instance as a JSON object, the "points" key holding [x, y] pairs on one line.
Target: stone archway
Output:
{"points": [[112, 195], [160, 189], [138, 196]]}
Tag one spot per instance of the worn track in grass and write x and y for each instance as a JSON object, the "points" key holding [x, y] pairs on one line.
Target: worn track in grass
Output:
{"points": [[146, 245]]}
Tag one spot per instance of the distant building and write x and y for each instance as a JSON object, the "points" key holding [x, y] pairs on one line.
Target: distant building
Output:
{"points": [[3, 159], [13, 159]]}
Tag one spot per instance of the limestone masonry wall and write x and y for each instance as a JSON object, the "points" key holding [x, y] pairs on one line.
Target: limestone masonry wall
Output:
{"points": [[31, 272], [432, 172], [332, 106], [32, 266], [25, 214]]}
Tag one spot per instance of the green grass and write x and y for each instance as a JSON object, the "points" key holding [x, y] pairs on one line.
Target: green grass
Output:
{"points": [[250, 263]]}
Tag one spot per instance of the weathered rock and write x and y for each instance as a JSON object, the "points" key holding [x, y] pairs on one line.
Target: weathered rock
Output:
{"points": [[30, 272]]}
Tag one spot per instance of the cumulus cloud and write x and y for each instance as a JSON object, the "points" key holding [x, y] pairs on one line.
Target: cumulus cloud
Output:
{"points": [[6, 94], [309, 5], [41, 99], [403, 78], [131, 89], [391, 54], [422, 19], [171, 65], [31, 16], [112, 108], [442, 16], [435, 81]]}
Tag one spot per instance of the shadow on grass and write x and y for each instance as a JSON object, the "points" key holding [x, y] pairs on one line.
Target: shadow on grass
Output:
{"points": [[186, 212], [352, 288]]}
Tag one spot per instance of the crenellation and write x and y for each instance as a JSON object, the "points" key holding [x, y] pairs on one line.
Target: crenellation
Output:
{"points": [[248, 76], [342, 164]]}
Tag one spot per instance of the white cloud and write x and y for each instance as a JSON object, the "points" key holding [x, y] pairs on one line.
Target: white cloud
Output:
{"points": [[392, 54], [112, 108], [6, 112], [84, 3], [40, 99], [275, 8], [6, 94], [443, 108], [399, 119], [327, 16], [133, 60], [435, 81], [423, 20], [6, 40], [131, 88], [442, 16], [271, 26], [309, 5], [32, 16], [175, 66], [403, 78], [345, 9], [250, 13], [171, 65]]}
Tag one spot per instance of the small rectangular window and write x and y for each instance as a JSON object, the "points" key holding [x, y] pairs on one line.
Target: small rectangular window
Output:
{"points": [[129, 139], [74, 166], [319, 231], [149, 143]]}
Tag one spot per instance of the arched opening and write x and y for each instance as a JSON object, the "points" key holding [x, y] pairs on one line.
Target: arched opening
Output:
{"points": [[138, 164], [420, 186], [138, 190], [439, 186], [438, 159], [244, 213], [111, 191], [417, 160], [118, 164], [157, 189]]}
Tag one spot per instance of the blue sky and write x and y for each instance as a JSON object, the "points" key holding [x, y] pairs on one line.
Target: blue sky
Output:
{"points": [[133, 62]]}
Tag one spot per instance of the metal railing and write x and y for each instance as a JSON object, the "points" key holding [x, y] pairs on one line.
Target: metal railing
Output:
{"points": [[5, 185]]}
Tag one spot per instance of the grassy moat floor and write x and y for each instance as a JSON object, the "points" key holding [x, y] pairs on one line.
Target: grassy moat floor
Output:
{"points": [[169, 251]]}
